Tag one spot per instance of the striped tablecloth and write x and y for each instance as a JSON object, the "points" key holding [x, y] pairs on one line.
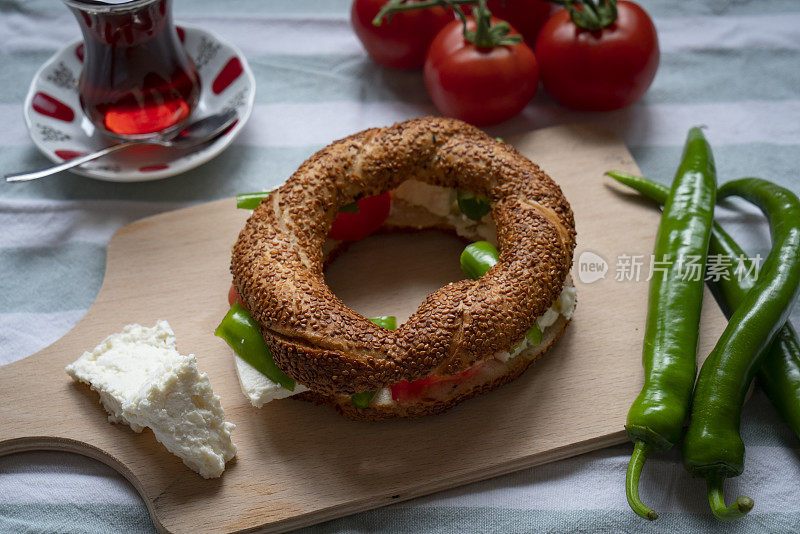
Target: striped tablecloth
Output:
{"points": [[733, 65]]}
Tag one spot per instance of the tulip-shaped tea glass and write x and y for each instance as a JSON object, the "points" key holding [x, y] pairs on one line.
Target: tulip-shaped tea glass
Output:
{"points": [[137, 79]]}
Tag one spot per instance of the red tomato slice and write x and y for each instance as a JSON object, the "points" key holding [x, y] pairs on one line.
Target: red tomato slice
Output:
{"points": [[405, 391], [233, 296], [372, 211]]}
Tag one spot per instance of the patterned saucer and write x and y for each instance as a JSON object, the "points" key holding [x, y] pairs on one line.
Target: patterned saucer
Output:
{"points": [[59, 128]]}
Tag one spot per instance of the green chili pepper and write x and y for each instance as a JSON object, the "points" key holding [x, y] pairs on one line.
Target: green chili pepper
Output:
{"points": [[655, 420], [472, 205], [713, 448], [476, 259], [241, 332], [250, 201], [779, 375], [363, 399]]}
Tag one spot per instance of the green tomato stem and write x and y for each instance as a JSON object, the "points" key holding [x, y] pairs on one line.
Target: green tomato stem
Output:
{"points": [[716, 500], [641, 451], [592, 15], [486, 35]]}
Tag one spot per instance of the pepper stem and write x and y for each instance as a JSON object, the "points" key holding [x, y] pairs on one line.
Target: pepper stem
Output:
{"points": [[716, 499], [641, 451]]}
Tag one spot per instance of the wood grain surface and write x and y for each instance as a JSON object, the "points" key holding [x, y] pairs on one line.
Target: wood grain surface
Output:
{"points": [[299, 464]]}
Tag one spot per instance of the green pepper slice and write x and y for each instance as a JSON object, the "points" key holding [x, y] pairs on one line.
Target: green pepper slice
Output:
{"points": [[476, 259], [350, 208], [363, 399], [534, 335], [242, 334], [472, 205], [250, 201], [388, 322]]}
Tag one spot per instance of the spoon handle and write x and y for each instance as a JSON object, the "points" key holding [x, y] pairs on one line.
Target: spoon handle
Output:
{"points": [[23, 177]]}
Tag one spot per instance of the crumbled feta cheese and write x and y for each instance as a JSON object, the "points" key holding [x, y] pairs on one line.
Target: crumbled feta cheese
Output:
{"points": [[569, 296], [383, 397], [143, 381], [564, 305], [442, 202], [547, 319]]}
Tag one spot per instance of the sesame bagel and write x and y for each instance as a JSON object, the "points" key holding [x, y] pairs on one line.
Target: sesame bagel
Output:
{"points": [[277, 261]]}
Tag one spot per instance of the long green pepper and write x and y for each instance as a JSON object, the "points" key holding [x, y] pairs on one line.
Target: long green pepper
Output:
{"points": [[712, 447], [655, 420], [779, 375]]}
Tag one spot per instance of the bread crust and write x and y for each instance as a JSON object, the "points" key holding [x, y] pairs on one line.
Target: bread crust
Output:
{"points": [[277, 261]]}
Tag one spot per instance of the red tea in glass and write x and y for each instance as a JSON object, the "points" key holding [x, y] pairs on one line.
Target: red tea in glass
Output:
{"points": [[137, 78]]}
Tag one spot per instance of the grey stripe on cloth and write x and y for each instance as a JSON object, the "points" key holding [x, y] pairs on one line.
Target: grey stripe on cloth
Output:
{"points": [[304, 124], [728, 64]]}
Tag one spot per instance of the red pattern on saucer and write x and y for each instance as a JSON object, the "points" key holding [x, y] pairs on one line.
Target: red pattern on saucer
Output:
{"points": [[228, 74], [52, 107]]}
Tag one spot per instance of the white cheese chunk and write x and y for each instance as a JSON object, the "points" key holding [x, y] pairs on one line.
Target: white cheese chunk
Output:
{"points": [[436, 199], [564, 305], [441, 201], [143, 381], [258, 388], [569, 296]]}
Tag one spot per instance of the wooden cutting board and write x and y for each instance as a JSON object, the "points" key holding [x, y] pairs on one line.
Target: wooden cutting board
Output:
{"points": [[300, 464]]}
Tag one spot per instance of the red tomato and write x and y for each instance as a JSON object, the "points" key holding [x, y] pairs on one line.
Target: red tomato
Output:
{"points": [[233, 296], [372, 211], [527, 16], [483, 86], [602, 70], [405, 391], [399, 43]]}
